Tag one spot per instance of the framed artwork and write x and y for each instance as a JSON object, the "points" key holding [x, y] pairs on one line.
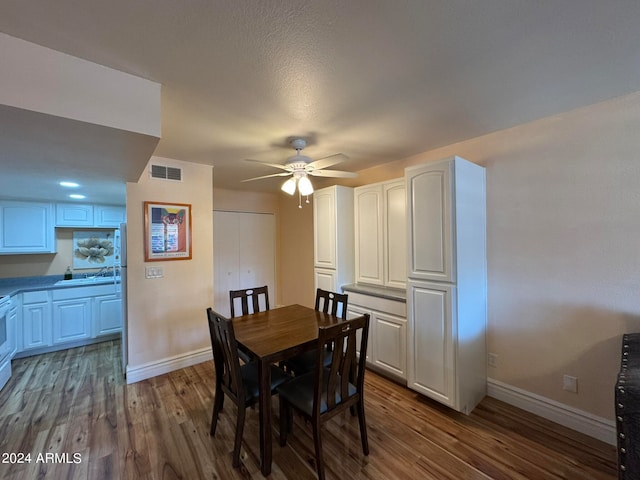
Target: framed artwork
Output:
{"points": [[93, 249], [167, 231]]}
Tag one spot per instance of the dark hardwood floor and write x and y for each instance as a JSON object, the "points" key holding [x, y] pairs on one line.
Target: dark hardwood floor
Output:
{"points": [[76, 417]]}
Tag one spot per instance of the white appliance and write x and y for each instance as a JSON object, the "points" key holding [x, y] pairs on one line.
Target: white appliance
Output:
{"points": [[120, 263], [447, 282], [7, 340]]}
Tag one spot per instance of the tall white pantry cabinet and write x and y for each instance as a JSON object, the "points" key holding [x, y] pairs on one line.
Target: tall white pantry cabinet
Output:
{"points": [[333, 234], [447, 282]]}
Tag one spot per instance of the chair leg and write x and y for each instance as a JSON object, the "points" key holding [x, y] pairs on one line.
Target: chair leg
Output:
{"points": [[363, 428], [284, 420], [217, 406], [238, 441], [352, 379], [289, 419], [317, 443]]}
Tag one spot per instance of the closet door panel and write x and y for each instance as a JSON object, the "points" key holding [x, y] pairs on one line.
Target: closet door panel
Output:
{"points": [[225, 259], [243, 255], [257, 251]]}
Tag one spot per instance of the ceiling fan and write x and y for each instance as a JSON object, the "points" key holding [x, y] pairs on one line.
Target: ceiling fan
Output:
{"points": [[300, 167]]}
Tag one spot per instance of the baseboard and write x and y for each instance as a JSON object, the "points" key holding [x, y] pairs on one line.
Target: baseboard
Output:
{"points": [[578, 420], [166, 365], [65, 346]]}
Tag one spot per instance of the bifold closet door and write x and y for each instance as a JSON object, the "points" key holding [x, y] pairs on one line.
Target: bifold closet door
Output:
{"points": [[243, 254]]}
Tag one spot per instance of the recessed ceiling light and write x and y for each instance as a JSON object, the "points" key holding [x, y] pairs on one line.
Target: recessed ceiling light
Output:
{"points": [[69, 184], [76, 195]]}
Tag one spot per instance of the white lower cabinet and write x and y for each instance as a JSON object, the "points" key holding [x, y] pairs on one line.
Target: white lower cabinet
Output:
{"points": [[386, 347], [107, 315], [36, 321], [59, 317], [447, 350], [390, 340], [71, 320], [432, 365], [12, 329]]}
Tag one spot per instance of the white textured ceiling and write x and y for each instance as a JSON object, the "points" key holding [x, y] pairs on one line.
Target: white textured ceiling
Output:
{"points": [[375, 80]]}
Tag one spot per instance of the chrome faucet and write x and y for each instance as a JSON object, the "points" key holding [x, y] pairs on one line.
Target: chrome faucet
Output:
{"points": [[104, 272]]}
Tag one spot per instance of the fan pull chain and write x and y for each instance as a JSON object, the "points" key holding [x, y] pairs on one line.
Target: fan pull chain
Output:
{"points": [[307, 199], [299, 199]]}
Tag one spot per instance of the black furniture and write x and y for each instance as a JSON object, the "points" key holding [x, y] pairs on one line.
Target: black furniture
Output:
{"points": [[249, 303], [328, 391], [327, 302], [627, 398], [239, 383], [249, 295]]}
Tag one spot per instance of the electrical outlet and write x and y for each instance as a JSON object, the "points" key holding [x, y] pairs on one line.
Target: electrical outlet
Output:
{"points": [[492, 360], [570, 384]]}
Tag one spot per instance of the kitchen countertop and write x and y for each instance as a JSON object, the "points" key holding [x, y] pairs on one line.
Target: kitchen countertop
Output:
{"points": [[12, 286], [397, 294]]}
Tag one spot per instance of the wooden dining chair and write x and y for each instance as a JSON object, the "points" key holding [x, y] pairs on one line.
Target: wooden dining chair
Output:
{"points": [[238, 382], [327, 391], [250, 299], [327, 302]]}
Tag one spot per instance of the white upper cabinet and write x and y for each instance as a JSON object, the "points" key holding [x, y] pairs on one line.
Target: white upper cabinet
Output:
{"points": [[380, 234], [324, 228], [107, 216], [369, 234], [333, 234], [395, 234], [74, 215], [429, 190], [92, 216], [26, 227]]}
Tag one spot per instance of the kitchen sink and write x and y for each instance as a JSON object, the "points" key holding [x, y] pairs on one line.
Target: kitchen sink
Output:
{"points": [[87, 281]]}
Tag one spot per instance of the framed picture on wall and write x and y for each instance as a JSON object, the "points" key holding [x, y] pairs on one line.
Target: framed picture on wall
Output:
{"points": [[93, 249], [167, 231]]}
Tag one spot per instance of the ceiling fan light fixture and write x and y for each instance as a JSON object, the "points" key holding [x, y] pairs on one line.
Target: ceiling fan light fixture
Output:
{"points": [[304, 186], [300, 167], [289, 186]]}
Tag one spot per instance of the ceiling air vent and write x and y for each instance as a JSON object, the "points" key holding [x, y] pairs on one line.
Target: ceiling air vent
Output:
{"points": [[166, 173]]}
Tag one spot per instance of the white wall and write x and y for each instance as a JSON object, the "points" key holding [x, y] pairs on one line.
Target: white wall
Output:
{"points": [[563, 236], [167, 316], [42, 80]]}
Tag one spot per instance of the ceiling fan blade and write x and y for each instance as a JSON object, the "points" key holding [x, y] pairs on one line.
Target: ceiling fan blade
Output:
{"points": [[276, 165], [283, 174], [332, 173], [327, 161]]}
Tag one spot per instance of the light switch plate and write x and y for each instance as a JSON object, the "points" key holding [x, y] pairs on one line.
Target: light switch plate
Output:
{"points": [[154, 272]]}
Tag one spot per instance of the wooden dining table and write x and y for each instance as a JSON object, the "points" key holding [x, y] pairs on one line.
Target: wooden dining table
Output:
{"points": [[270, 337]]}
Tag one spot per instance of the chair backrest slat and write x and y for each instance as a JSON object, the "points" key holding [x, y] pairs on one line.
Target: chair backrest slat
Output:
{"points": [[249, 294], [343, 370], [225, 355], [331, 303]]}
